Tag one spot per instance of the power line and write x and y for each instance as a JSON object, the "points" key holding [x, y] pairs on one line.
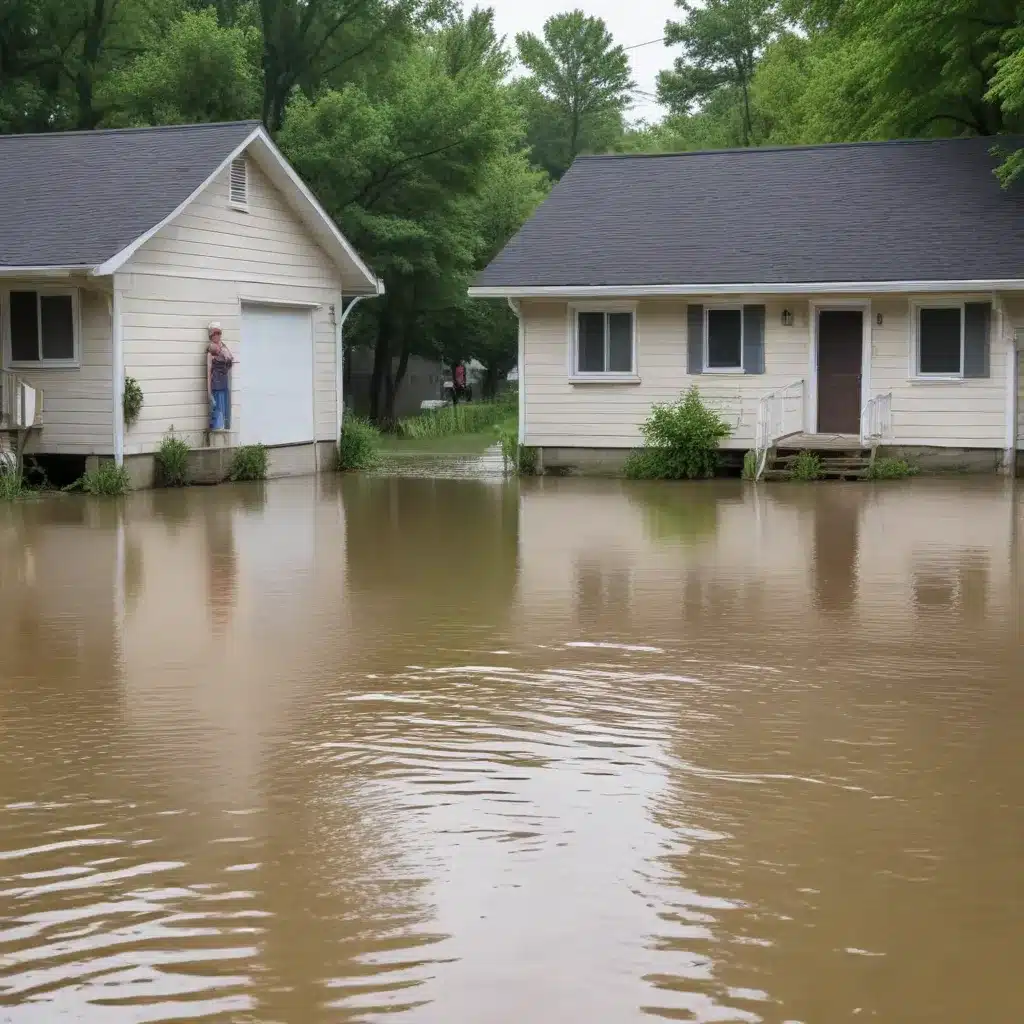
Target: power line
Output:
{"points": [[650, 42]]}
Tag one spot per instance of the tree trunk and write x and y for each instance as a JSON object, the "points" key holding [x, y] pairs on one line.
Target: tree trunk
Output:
{"points": [[746, 112], [381, 364], [84, 80], [394, 383], [491, 379]]}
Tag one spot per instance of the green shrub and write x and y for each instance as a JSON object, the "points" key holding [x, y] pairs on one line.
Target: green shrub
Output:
{"points": [[249, 463], [132, 400], [358, 445], [467, 418], [807, 466], [11, 485], [108, 479], [890, 469], [172, 461], [518, 458], [681, 441], [750, 465]]}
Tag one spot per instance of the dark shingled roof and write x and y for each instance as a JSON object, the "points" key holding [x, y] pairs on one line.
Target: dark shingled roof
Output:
{"points": [[78, 198], [927, 210]]}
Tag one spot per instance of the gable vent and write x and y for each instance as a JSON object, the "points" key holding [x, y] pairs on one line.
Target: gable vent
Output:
{"points": [[239, 182]]}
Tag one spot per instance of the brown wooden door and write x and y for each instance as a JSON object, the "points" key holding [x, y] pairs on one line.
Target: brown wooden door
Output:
{"points": [[840, 345]]}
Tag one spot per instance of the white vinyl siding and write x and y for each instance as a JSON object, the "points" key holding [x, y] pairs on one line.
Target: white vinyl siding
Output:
{"points": [[968, 413], [606, 415], [199, 268], [77, 404]]}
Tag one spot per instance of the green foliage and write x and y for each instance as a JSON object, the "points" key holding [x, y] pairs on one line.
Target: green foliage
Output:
{"points": [[359, 444], [11, 485], [722, 42], [249, 463], [681, 441], [750, 465], [890, 469], [465, 418], [807, 466], [198, 72], [108, 480], [172, 461], [578, 87], [518, 458], [132, 400]]}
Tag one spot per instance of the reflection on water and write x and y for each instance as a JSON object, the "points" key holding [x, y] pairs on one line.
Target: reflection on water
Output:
{"points": [[467, 750]]}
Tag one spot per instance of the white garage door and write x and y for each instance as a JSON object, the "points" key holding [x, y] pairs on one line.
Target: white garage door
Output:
{"points": [[275, 376]]}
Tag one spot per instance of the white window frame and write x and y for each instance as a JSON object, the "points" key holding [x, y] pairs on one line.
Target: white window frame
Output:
{"points": [[232, 202], [5, 325], [601, 376], [708, 368], [915, 348]]}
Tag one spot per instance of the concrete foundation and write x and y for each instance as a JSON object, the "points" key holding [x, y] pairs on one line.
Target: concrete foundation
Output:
{"points": [[948, 460], [581, 461], [212, 465]]}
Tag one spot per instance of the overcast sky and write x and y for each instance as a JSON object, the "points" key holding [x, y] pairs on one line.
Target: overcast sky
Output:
{"points": [[629, 21]]}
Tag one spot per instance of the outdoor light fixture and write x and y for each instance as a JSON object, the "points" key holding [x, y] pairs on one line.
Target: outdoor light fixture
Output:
{"points": [[787, 318], [878, 319]]}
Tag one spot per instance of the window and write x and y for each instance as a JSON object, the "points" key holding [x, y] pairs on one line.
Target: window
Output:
{"points": [[604, 342], [41, 327], [239, 188], [940, 337], [724, 349]]}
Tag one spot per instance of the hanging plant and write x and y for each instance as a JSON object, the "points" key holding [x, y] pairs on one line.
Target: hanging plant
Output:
{"points": [[132, 400]]}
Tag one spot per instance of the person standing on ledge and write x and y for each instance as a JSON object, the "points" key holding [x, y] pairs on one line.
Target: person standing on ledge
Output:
{"points": [[219, 361]]}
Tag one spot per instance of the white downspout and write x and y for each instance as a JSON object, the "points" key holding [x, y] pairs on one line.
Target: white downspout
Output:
{"points": [[516, 308], [339, 348], [117, 370], [1006, 332]]}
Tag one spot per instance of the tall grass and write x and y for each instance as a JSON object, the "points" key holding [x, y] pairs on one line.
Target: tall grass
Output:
{"points": [[11, 486], [358, 444], [172, 461], [250, 462], [109, 480], [467, 418]]}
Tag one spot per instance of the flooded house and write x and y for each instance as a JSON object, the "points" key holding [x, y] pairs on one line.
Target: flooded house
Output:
{"points": [[865, 295], [121, 250]]}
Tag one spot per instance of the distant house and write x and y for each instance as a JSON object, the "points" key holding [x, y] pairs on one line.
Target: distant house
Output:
{"points": [[861, 294], [118, 248]]}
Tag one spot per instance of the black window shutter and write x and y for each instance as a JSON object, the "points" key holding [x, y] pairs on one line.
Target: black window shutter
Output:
{"points": [[753, 339], [695, 338], [977, 319]]}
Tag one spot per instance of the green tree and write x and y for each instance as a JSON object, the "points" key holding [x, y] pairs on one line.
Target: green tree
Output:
{"points": [[722, 42], [198, 72], [578, 88]]}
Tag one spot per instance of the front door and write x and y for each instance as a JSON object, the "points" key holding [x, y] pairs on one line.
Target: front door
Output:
{"points": [[840, 348]]}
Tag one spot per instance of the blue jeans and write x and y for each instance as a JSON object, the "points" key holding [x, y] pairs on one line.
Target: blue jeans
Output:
{"points": [[220, 410]]}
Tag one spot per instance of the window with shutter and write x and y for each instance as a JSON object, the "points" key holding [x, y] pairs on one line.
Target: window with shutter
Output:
{"points": [[240, 183]]}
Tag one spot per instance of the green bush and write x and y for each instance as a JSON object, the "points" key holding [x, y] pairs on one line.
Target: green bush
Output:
{"points": [[109, 480], [681, 441], [11, 485], [750, 465], [518, 458], [358, 445], [890, 469], [467, 418], [172, 461], [132, 400], [807, 466], [249, 463]]}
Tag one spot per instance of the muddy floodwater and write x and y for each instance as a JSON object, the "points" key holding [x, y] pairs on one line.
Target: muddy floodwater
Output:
{"points": [[469, 751]]}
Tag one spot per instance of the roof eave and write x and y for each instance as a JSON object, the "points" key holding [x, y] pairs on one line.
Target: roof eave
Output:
{"points": [[47, 271], [789, 288]]}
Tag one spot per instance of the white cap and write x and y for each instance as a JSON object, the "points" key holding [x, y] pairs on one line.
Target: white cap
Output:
{"points": [[214, 326]]}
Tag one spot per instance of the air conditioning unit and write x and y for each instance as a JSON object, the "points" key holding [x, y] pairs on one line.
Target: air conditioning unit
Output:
{"points": [[20, 404]]}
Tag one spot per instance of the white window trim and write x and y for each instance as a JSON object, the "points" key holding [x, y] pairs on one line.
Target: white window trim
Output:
{"points": [[241, 207], [5, 326], [708, 369], [916, 373], [603, 376]]}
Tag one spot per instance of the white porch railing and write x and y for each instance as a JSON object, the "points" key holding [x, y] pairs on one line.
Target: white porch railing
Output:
{"points": [[779, 414], [876, 421]]}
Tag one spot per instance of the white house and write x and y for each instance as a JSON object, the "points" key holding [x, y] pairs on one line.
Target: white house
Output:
{"points": [[855, 295], [118, 248]]}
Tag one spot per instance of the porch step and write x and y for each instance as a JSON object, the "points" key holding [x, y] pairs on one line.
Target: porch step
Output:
{"points": [[835, 465]]}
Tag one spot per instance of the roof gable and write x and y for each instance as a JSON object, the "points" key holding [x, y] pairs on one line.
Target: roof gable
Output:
{"points": [[855, 213]]}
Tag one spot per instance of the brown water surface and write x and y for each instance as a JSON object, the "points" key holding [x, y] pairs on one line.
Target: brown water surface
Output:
{"points": [[472, 751]]}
